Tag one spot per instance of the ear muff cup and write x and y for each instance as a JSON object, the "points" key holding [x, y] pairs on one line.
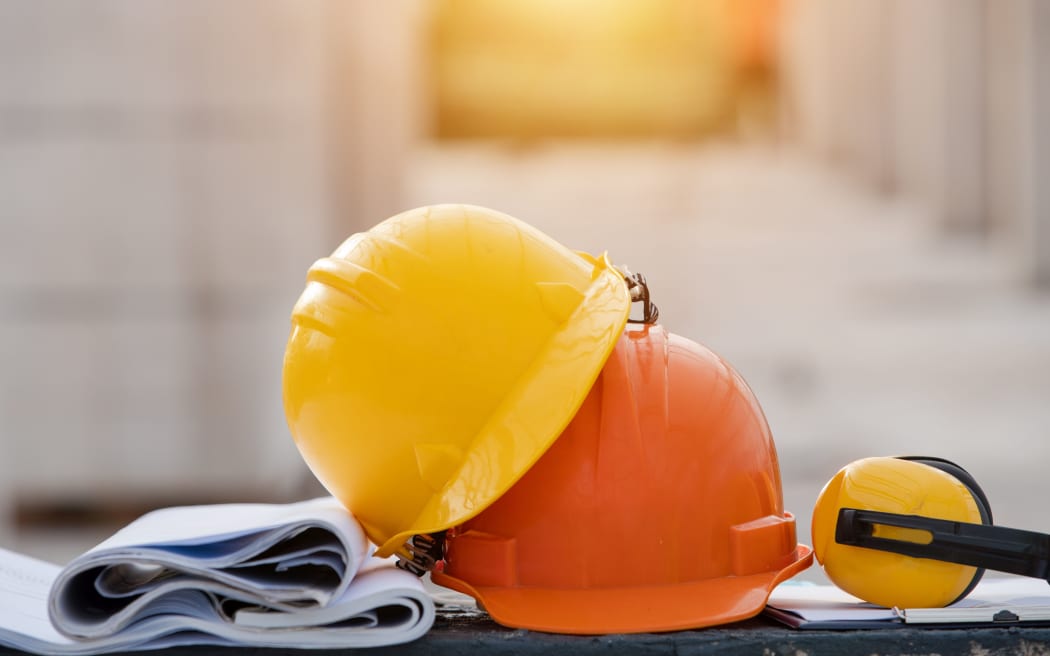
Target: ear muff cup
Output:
{"points": [[963, 476], [929, 487], [979, 496]]}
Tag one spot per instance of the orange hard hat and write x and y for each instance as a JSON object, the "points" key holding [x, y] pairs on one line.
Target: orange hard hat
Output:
{"points": [[658, 508]]}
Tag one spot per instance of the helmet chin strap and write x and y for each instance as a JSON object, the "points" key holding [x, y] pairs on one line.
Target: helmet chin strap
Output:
{"points": [[639, 290], [422, 553]]}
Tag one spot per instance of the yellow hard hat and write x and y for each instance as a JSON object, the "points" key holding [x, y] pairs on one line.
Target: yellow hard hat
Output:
{"points": [[433, 359]]}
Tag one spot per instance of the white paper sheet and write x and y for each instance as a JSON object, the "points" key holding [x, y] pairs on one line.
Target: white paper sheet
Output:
{"points": [[827, 604], [296, 575]]}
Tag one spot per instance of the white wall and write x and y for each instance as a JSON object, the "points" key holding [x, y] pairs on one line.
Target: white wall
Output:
{"points": [[166, 178]]}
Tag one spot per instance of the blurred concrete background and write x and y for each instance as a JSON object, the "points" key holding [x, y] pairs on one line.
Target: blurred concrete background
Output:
{"points": [[847, 199]]}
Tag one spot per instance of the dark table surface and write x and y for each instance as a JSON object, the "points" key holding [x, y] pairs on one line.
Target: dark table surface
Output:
{"points": [[459, 631]]}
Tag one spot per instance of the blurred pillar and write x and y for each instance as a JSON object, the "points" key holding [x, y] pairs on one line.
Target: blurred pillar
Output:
{"points": [[936, 55], [807, 87], [862, 120], [963, 194], [7, 517], [376, 102], [836, 87], [1018, 101], [1040, 216]]}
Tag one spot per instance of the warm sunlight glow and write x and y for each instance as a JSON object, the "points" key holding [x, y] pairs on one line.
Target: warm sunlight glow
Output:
{"points": [[586, 67]]}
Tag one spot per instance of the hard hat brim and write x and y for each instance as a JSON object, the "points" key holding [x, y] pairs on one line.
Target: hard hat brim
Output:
{"points": [[636, 609], [534, 413]]}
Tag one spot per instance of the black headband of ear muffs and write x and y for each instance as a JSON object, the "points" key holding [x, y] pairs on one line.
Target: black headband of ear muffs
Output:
{"points": [[985, 546]]}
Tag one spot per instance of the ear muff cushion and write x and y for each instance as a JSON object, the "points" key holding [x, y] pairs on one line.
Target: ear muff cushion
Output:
{"points": [[964, 477]]}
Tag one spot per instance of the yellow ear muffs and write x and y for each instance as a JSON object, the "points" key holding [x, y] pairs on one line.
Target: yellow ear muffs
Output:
{"points": [[915, 532], [876, 508]]}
